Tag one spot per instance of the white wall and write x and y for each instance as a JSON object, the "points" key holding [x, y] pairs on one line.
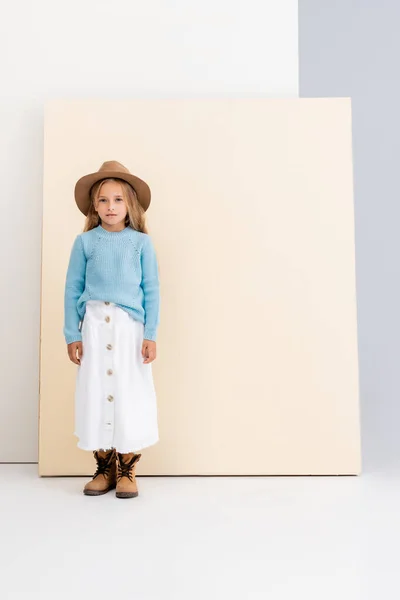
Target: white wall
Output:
{"points": [[157, 48]]}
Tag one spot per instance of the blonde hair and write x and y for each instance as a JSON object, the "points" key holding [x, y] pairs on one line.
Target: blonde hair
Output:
{"points": [[136, 215]]}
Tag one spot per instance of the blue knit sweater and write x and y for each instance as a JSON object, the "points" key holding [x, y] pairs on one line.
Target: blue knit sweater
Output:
{"points": [[112, 266]]}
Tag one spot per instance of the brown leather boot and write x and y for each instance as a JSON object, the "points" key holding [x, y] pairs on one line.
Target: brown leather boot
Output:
{"points": [[126, 481], [104, 478]]}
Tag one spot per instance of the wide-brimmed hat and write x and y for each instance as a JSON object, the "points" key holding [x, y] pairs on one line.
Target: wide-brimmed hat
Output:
{"points": [[110, 168]]}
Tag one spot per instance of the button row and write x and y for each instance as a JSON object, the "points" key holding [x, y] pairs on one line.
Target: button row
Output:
{"points": [[110, 398]]}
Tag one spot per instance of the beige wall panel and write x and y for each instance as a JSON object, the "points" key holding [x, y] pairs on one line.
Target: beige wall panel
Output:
{"points": [[252, 220]]}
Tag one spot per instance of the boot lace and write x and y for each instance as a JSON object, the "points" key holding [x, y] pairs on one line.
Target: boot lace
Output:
{"points": [[125, 469], [103, 464]]}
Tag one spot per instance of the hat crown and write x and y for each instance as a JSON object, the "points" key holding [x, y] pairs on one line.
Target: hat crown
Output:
{"points": [[113, 165]]}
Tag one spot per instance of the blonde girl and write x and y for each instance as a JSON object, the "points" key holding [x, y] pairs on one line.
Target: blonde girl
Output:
{"points": [[111, 317]]}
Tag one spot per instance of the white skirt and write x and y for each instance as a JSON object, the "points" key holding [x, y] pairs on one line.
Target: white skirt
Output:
{"points": [[115, 398]]}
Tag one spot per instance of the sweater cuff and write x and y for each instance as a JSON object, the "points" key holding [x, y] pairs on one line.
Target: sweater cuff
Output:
{"points": [[149, 334], [73, 338]]}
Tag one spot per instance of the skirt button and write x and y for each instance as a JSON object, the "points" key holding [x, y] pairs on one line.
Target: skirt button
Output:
{"points": [[109, 372], [110, 398], [106, 303], [107, 319], [109, 347]]}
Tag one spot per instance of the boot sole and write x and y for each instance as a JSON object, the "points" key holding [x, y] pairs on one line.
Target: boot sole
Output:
{"points": [[98, 492], [127, 494]]}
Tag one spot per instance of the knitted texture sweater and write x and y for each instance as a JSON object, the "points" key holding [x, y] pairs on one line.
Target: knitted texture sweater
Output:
{"points": [[112, 266]]}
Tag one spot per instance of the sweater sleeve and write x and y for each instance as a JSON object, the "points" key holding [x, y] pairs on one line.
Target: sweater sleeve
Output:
{"points": [[74, 287], [151, 289]]}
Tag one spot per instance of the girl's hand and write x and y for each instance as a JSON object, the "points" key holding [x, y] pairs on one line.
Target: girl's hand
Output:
{"points": [[73, 348], [148, 351]]}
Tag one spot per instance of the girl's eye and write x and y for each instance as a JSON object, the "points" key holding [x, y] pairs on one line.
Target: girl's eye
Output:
{"points": [[104, 200]]}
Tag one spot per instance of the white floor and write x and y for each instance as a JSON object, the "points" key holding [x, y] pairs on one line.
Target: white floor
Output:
{"points": [[317, 538]]}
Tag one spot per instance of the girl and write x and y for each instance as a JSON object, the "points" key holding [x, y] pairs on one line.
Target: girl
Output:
{"points": [[111, 308]]}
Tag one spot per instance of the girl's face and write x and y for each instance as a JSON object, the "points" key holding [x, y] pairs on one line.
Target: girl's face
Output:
{"points": [[111, 206]]}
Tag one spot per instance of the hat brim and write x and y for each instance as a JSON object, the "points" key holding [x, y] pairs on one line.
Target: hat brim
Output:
{"points": [[84, 184]]}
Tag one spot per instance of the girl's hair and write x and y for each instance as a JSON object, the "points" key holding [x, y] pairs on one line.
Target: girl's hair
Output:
{"points": [[136, 215]]}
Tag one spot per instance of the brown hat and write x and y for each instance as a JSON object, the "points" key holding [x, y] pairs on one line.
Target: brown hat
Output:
{"points": [[110, 168]]}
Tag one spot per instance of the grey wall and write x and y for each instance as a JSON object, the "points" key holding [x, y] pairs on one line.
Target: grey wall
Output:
{"points": [[352, 48]]}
